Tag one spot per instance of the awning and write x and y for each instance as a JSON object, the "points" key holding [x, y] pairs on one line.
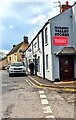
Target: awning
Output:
{"points": [[66, 51]]}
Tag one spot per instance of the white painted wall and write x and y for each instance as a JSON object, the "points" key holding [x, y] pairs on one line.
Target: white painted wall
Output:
{"points": [[63, 20], [74, 24], [75, 67], [39, 54], [47, 50], [74, 35]]}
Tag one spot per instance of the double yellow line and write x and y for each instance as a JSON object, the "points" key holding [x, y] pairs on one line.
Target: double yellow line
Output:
{"points": [[52, 87]]}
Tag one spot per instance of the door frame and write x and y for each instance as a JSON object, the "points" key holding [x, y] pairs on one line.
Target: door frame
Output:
{"points": [[60, 67]]}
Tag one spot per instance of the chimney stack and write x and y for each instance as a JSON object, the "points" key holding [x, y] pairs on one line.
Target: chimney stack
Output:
{"points": [[25, 39], [67, 3], [64, 7]]}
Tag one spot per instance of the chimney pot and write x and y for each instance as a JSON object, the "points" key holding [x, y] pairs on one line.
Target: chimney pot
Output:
{"points": [[14, 46]]}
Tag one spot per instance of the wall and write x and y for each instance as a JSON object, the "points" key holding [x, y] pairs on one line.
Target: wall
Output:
{"points": [[12, 58], [75, 67], [3, 63], [62, 20], [28, 57], [74, 34], [47, 51], [17, 56], [74, 24], [40, 54]]}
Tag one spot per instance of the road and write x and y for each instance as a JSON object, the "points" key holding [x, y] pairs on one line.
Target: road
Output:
{"points": [[22, 99]]}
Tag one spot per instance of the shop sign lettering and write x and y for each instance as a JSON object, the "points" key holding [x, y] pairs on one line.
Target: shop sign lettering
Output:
{"points": [[61, 31]]}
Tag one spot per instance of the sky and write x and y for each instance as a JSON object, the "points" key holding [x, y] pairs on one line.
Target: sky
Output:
{"points": [[19, 18]]}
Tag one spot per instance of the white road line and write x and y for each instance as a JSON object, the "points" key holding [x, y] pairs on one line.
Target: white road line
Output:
{"points": [[44, 101], [47, 109], [4, 84], [43, 96], [28, 82], [31, 82], [41, 91], [50, 116]]}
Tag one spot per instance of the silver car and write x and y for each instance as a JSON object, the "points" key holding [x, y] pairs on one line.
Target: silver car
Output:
{"points": [[16, 68]]}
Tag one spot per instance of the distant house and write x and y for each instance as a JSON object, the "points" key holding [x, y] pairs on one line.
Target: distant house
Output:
{"points": [[16, 53]]}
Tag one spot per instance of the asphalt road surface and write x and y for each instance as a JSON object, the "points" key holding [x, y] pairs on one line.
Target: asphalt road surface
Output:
{"points": [[23, 99]]}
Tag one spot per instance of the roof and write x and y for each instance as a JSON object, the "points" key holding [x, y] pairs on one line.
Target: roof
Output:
{"points": [[67, 51], [14, 49]]}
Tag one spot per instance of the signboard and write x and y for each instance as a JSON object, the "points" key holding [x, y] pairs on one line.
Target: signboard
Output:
{"points": [[60, 41], [61, 31]]}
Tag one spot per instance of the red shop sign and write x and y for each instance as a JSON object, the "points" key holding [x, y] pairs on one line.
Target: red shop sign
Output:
{"points": [[60, 40]]}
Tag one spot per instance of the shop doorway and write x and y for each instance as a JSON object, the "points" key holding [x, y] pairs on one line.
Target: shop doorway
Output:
{"points": [[66, 67]]}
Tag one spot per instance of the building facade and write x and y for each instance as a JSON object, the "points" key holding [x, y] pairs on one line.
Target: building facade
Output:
{"points": [[53, 50], [15, 55]]}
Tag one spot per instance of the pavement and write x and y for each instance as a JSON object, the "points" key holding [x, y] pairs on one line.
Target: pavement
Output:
{"points": [[62, 85]]}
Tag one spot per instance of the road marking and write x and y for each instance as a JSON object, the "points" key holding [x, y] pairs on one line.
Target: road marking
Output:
{"points": [[47, 109], [41, 91], [40, 85], [44, 101], [42, 96], [4, 84], [31, 82], [28, 82], [50, 116]]}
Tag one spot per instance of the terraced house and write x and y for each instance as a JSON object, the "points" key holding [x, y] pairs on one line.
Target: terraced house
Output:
{"points": [[53, 49]]}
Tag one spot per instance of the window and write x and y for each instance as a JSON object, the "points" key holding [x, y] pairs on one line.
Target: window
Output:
{"points": [[35, 44], [38, 41], [32, 48], [9, 58], [46, 62], [38, 64], [46, 36]]}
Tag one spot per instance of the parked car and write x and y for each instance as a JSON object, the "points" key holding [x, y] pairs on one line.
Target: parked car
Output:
{"points": [[16, 68]]}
